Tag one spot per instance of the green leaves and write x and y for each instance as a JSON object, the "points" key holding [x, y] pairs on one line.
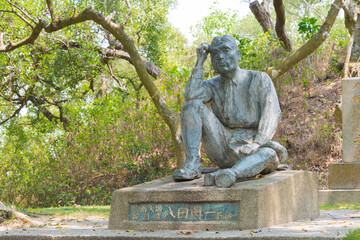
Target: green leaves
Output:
{"points": [[308, 27], [217, 23]]}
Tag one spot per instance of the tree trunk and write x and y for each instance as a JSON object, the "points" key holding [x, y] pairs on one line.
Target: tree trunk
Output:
{"points": [[310, 46], [280, 25], [347, 58], [262, 15], [179, 150], [171, 118], [355, 51], [7, 214], [352, 23]]}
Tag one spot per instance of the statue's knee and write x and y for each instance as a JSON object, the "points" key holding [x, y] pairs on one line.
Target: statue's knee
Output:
{"points": [[193, 105], [268, 153]]}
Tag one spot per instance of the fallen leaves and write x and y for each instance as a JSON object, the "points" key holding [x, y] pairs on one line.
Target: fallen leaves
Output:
{"points": [[185, 233], [258, 176]]}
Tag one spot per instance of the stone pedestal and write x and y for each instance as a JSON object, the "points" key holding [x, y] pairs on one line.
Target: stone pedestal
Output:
{"points": [[344, 176], [163, 204], [351, 119]]}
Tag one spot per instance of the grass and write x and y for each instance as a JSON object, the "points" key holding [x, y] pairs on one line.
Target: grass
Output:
{"points": [[353, 235], [76, 212], [340, 206], [103, 211]]}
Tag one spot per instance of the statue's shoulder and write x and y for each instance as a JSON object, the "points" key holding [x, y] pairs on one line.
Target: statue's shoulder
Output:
{"points": [[212, 81], [258, 75], [259, 78]]}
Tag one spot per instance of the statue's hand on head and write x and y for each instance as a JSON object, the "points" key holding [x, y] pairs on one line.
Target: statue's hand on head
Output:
{"points": [[202, 51], [249, 148]]}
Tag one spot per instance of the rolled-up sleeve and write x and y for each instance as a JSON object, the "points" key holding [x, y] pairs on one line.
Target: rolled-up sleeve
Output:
{"points": [[270, 113], [195, 88]]}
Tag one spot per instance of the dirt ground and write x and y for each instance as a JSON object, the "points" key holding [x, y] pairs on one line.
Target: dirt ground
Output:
{"points": [[308, 128], [55, 222]]}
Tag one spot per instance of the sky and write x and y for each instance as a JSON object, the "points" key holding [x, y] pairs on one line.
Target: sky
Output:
{"points": [[189, 12]]}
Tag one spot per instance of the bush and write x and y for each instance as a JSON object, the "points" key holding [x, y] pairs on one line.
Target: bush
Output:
{"points": [[112, 146]]}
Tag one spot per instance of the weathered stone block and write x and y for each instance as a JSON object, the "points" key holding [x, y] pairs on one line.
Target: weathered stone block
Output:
{"points": [[162, 204], [344, 175], [351, 119], [338, 196]]}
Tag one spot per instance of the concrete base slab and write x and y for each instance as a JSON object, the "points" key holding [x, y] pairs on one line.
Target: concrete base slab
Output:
{"points": [[328, 197], [344, 176], [163, 204], [332, 224]]}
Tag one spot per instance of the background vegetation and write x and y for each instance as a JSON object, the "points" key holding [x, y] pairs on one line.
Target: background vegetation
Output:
{"points": [[76, 123]]}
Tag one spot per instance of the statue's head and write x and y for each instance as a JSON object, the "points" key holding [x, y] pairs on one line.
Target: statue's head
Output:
{"points": [[225, 54]]}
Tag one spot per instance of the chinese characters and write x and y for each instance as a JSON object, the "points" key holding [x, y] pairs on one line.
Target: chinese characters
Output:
{"points": [[184, 212]]}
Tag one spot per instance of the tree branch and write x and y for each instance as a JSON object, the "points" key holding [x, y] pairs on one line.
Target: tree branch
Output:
{"points": [[22, 11], [18, 15], [262, 15], [136, 88], [318, 13], [114, 77], [29, 40], [51, 117], [14, 114], [151, 68], [127, 17], [113, 42], [76, 18], [51, 10], [280, 24], [310, 46], [7, 11]]}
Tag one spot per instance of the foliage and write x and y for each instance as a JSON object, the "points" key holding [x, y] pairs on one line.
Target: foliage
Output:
{"points": [[217, 23], [247, 27], [108, 146], [260, 53], [308, 27]]}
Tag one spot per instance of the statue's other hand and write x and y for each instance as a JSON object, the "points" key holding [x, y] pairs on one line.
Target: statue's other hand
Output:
{"points": [[202, 51], [249, 148]]}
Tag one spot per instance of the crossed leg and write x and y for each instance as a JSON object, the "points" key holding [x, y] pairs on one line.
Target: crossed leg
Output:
{"points": [[198, 123]]}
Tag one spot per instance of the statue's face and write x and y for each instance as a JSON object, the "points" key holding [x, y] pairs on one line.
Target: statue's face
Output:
{"points": [[224, 57]]}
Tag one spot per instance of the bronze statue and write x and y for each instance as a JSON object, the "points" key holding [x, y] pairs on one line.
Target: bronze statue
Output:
{"points": [[234, 115]]}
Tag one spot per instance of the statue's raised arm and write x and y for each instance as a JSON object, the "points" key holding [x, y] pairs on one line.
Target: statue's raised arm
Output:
{"points": [[237, 124], [194, 88]]}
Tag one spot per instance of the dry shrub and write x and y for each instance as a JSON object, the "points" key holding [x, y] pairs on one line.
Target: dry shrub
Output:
{"points": [[307, 97]]}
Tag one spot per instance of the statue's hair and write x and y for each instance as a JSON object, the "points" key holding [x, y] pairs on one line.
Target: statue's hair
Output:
{"points": [[225, 38]]}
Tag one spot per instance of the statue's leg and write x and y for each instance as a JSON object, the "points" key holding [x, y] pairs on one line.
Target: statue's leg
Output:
{"points": [[264, 159], [198, 123], [191, 131], [215, 141]]}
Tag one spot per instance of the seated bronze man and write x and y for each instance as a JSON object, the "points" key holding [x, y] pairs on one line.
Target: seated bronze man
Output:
{"points": [[234, 115]]}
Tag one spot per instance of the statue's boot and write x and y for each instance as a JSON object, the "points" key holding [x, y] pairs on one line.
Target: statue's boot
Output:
{"points": [[264, 160], [227, 175], [191, 169], [209, 179]]}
